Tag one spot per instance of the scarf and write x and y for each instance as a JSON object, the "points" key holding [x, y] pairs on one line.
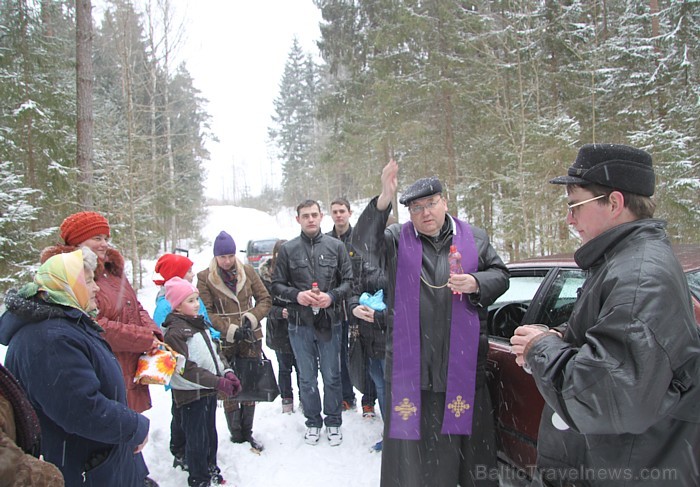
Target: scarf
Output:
{"points": [[61, 280], [230, 278], [464, 342]]}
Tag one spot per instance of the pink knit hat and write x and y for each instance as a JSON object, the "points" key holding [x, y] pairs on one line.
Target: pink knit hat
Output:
{"points": [[177, 290]]}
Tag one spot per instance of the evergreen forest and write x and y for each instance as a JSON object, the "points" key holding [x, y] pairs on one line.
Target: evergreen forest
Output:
{"points": [[494, 97]]}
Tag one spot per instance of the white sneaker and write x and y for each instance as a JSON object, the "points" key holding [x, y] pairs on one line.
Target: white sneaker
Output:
{"points": [[335, 437], [312, 436]]}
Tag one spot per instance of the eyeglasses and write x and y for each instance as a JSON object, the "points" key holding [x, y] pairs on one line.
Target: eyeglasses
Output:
{"points": [[418, 209], [575, 205]]}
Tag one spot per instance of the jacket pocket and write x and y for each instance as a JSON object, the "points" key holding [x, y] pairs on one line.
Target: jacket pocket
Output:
{"points": [[327, 267], [121, 468], [299, 269]]}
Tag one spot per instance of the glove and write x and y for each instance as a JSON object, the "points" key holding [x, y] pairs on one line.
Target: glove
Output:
{"points": [[237, 383], [244, 333], [228, 387]]}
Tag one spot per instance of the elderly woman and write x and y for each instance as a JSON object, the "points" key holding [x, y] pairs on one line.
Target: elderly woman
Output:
{"points": [[127, 327], [71, 377], [236, 300]]}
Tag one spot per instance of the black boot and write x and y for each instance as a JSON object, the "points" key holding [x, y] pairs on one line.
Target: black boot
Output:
{"points": [[233, 419], [247, 426]]}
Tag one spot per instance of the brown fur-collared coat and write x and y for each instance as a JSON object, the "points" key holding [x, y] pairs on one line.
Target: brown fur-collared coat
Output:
{"points": [[226, 309]]}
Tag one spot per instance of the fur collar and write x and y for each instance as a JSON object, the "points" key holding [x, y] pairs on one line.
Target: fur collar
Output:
{"points": [[113, 263], [215, 279]]}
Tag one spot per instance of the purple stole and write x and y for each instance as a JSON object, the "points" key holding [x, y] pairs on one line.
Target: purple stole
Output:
{"points": [[464, 341]]}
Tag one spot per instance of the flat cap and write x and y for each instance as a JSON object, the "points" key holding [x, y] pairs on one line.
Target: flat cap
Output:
{"points": [[420, 189], [613, 165]]}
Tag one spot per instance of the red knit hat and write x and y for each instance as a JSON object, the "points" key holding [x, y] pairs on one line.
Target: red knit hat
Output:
{"points": [[79, 227], [171, 265], [177, 290]]}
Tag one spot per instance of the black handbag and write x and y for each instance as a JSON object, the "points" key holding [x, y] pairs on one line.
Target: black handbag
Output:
{"points": [[257, 378]]}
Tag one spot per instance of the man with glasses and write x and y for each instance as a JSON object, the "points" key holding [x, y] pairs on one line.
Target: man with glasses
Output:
{"points": [[621, 382], [439, 429]]}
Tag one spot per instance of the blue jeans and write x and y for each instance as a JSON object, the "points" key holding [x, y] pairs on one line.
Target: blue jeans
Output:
{"points": [[376, 371], [286, 362], [310, 352]]}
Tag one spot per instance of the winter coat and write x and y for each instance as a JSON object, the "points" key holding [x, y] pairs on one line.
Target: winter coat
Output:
{"points": [[190, 337], [17, 465], [127, 327], [377, 244], [227, 309], [302, 261], [624, 381], [277, 326], [372, 335], [75, 384]]}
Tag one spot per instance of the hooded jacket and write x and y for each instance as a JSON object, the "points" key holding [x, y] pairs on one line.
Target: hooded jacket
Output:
{"points": [[128, 328], [75, 384], [227, 309], [622, 388]]}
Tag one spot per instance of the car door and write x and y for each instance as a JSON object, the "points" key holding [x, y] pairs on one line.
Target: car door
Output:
{"points": [[536, 295]]}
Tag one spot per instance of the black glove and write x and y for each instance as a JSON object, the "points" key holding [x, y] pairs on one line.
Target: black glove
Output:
{"points": [[244, 334]]}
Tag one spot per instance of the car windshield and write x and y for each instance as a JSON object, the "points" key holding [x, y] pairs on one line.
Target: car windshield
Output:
{"points": [[521, 290]]}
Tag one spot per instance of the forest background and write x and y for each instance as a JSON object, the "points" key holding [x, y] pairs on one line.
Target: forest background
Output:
{"points": [[494, 97]]}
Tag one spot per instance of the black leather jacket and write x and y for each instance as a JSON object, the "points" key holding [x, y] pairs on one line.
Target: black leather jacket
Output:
{"points": [[303, 260], [625, 378]]}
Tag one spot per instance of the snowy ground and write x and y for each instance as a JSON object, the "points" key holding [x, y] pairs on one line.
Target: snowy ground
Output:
{"points": [[287, 460]]}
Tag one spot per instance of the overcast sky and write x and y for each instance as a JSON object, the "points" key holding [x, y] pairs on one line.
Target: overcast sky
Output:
{"points": [[236, 51]]}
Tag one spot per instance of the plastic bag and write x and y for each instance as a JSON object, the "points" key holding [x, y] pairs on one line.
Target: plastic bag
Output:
{"points": [[374, 301], [159, 366]]}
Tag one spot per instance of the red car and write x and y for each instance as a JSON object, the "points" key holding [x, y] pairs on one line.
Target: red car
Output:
{"points": [[542, 290]]}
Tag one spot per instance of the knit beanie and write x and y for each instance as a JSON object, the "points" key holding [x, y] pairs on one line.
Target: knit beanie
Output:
{"points": [[79, 227], [224, 244], [171, 265], [177, 290]]}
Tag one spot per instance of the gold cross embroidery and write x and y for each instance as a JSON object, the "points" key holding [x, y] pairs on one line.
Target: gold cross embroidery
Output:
{"points": [[458, 406], [405, 409]]}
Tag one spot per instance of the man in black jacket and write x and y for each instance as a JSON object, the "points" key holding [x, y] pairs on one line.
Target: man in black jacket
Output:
{"points": [[439, 427], [342, 230], [622, 383], [314, 320]]}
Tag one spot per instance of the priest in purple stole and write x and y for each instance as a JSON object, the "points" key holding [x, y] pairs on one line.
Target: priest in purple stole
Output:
{"points": [[439, 427]]}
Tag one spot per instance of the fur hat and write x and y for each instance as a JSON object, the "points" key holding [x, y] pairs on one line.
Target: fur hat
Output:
{"points": [[171, 265], [79, 227], [420, 189], [177, 290], [224, 244], [613, 165]]}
